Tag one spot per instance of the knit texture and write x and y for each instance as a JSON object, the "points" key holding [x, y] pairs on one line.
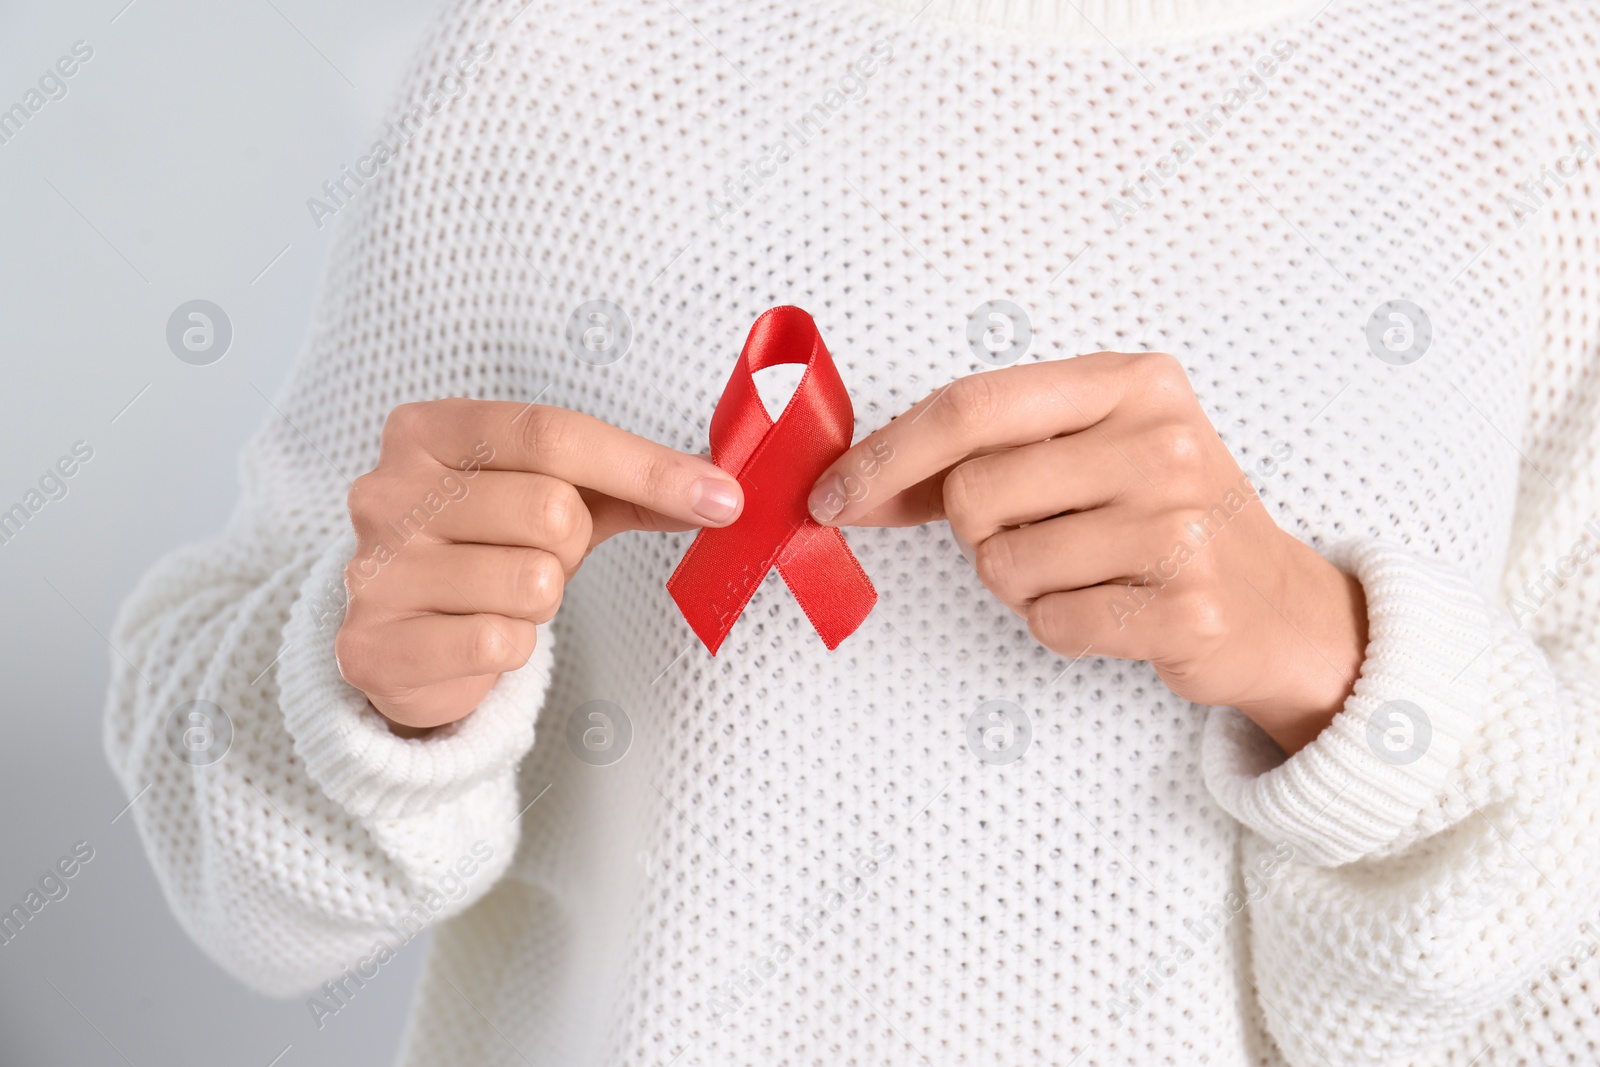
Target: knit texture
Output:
{"points": [[801, 858]]}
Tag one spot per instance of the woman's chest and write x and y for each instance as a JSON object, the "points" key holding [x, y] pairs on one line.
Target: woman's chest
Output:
{"points": [[1354, 317]]}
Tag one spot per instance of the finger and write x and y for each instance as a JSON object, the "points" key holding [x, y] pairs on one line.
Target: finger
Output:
{"points": [[1113, 620], [612, 516], [509, 508], [1009, 407], [1163, 623], [1080, 471], [413, 712], [1090, 548], [914, 505], [390, 658], [571, 446], [452, 579]]}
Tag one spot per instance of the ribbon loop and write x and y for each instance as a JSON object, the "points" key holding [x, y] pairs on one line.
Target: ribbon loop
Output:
{"points": [[776, 464]]}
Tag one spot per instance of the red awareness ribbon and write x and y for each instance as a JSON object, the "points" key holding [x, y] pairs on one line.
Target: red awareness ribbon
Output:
{"points": [[776, 464]]}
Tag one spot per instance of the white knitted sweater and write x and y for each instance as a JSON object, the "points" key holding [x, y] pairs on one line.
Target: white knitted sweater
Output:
{"points": [[801, 857]]}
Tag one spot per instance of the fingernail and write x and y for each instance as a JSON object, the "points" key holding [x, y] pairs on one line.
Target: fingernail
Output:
{"points": [[715, 501], [827, 499]]}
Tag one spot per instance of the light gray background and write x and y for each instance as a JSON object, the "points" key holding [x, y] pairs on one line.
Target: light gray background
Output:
{"points": [[181, 159]]}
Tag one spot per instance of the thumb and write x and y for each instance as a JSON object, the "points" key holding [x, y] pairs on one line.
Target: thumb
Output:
{"points": [[913, 506], [612, 516]]}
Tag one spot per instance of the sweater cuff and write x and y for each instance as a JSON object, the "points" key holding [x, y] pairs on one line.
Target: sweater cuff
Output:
{"points": [[1362, 784], [347, 746]]}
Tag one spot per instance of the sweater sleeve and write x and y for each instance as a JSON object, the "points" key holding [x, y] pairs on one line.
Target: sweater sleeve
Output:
{"points": [[1426, 866], [292, 833]]}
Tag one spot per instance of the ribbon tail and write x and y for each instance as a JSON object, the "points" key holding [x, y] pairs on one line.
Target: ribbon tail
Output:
{"points": [[827, 580], [714, 582]]}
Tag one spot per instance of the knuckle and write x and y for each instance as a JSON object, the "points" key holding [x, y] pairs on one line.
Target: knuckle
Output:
{"points": [[1162, 377], [1202, 618], [1180, 445], [538, 584], [1158, 366], [547, 607], [371, 500], [354, 581], [974, 401], [527, 578], [963, 490], [406, 420], [546, 433], [362, 496], [561, 512], [488, 650], [655, 474], [351, 651], [997, 566]]}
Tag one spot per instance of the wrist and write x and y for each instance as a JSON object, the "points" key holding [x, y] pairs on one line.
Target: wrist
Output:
{"points": [[1320, 646]]}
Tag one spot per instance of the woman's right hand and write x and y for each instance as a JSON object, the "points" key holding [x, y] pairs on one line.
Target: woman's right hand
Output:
{"points": [[470, 526]]}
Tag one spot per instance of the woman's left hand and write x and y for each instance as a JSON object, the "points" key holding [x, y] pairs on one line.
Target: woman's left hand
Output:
{"points": [[1097, 501]]}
